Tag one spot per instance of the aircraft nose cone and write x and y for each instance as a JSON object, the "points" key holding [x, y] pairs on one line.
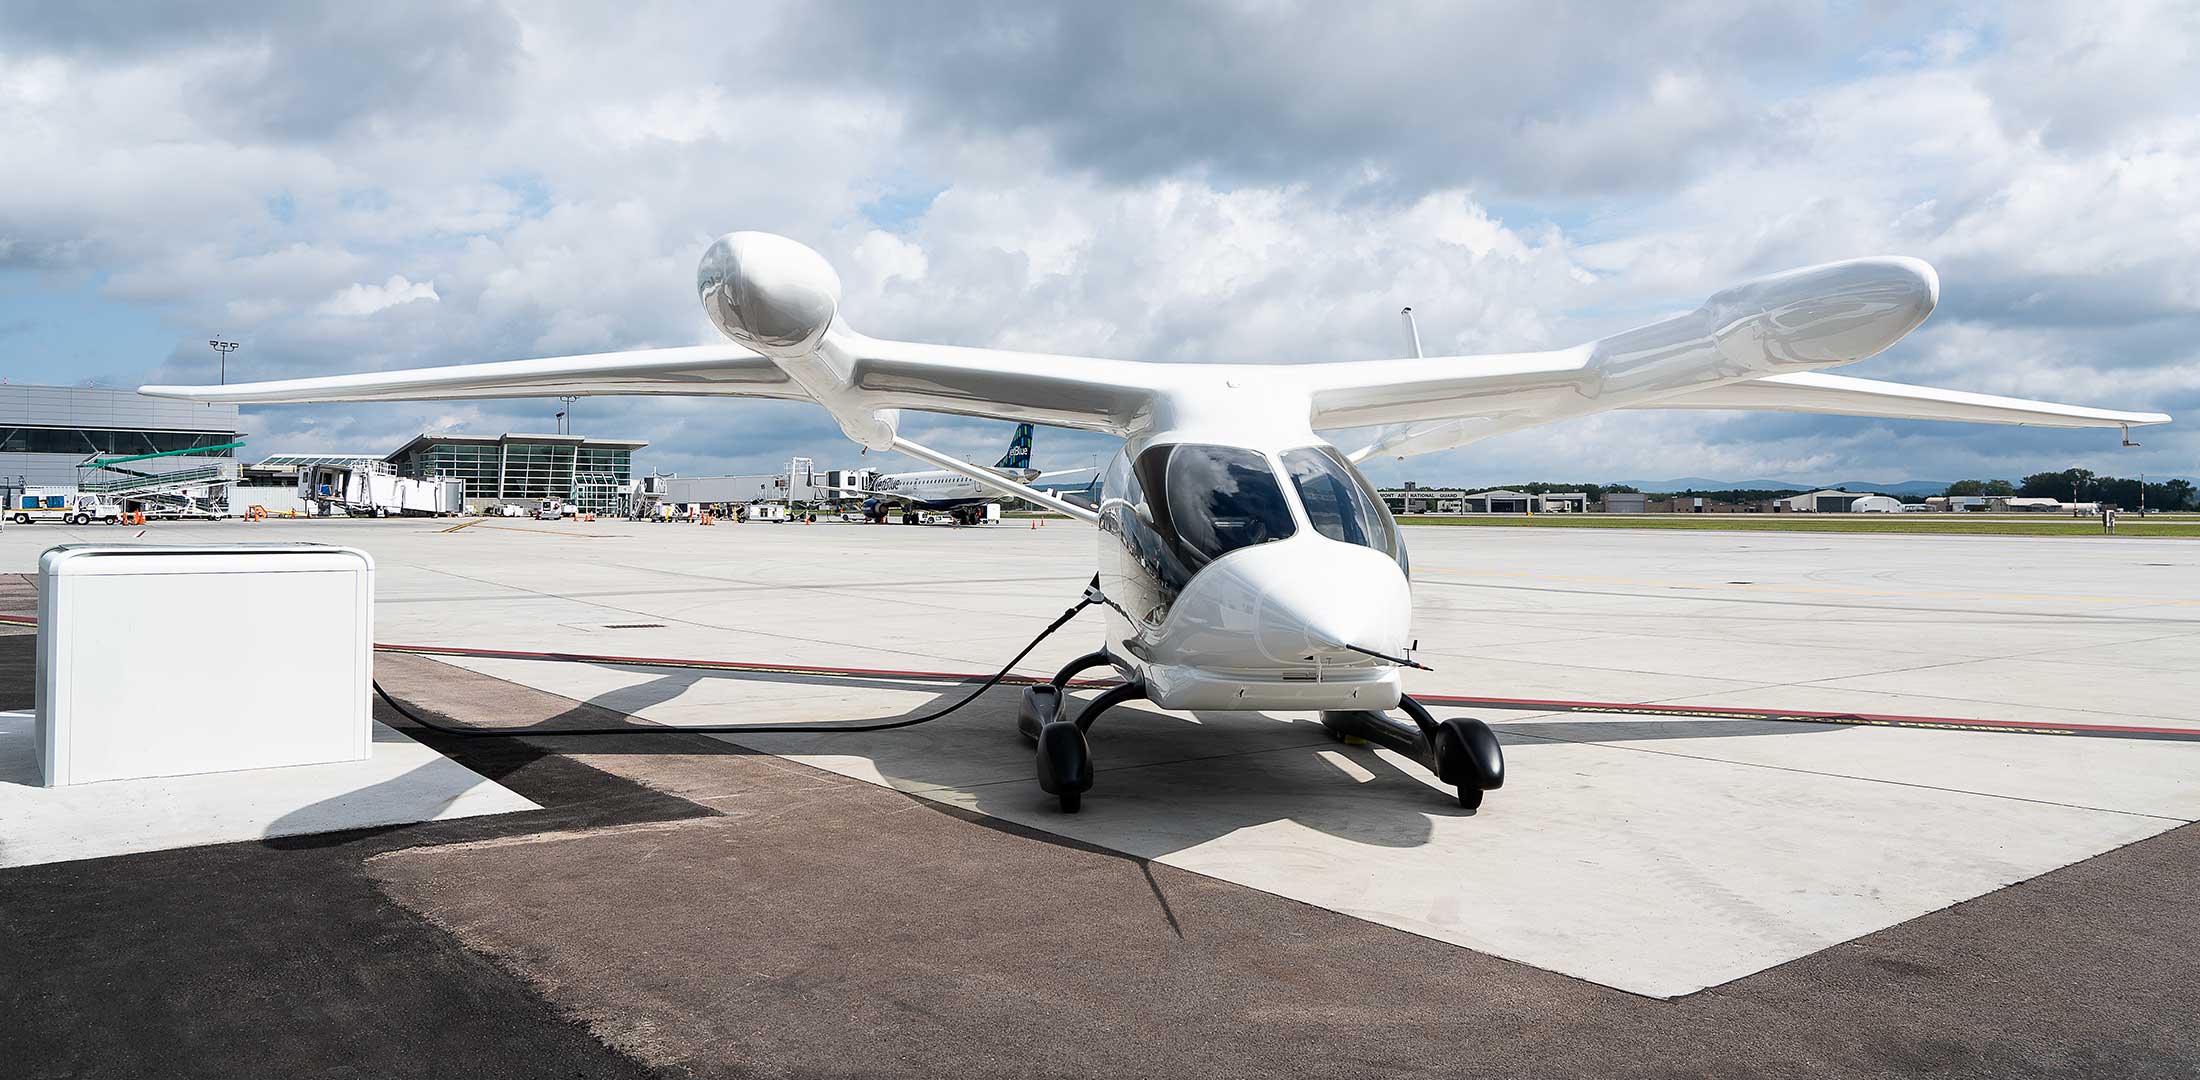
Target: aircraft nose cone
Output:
{"points": [[1331, 595], [1829, 314], [767, 292]]}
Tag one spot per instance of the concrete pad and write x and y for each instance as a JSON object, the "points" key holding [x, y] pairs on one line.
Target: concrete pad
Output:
{"points": [[2143, 694], [401, 781], [1762, 661], [2129, 776], [1657, 854], [1709, 872], [1670, 868]]}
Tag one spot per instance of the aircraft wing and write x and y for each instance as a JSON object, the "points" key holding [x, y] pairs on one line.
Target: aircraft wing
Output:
{"points": [[1078, 392], [1749, 347], [1065, 391], [1066, 472], [1818, 316], [701, 370], [1814, 392]]}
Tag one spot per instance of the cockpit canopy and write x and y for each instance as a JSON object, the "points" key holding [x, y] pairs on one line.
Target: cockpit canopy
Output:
{"points": [[1216, 499], [1340, 503], [1220, 499]]}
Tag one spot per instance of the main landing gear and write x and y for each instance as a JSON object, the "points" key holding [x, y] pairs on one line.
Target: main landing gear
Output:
{"points": [[1065, 758], [1461, 751]]}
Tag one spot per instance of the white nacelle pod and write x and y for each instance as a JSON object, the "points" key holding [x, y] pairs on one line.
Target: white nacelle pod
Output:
{"points": [[778, 297], [1803, 319]]}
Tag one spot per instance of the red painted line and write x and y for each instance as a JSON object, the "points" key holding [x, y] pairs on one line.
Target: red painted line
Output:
{"points": [[1799, 716]]}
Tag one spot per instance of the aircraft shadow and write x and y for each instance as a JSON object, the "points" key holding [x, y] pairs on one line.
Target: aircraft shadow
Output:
{"points": [[1166, 781]]}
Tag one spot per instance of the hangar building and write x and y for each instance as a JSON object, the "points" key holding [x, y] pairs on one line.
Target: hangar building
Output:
{"points": [[1821, 502]]}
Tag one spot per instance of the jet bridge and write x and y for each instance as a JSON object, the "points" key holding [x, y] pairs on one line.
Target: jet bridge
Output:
{"points": [[373, 489]]}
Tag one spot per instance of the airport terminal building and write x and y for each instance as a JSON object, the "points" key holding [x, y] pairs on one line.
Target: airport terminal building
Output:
{"points": [[593, 474], [47, 432]]}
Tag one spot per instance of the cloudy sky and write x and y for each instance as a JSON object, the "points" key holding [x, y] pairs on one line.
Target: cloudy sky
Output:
{"points": [[397, 184]]}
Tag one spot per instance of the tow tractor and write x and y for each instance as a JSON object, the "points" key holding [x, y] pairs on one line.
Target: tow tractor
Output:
{"points": [[65, 506]]}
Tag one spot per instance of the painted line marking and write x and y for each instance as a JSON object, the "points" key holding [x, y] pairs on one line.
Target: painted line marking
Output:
{"points": [[1815, 590], [1793, 716], [1605, 708]]}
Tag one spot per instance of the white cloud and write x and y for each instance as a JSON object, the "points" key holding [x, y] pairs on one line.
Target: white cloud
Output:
{"points": [[546, 185], [358, 299]]}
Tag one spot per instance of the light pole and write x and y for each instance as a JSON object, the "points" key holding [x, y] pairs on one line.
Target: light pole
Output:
{"points": [[224, 348], [567, 415]]}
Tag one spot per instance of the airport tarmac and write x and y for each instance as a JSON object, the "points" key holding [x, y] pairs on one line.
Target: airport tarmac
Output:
{"points": [[1672, 856]]}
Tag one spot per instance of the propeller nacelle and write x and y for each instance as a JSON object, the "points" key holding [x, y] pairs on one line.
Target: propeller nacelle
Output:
{"points": [[769, 293]]}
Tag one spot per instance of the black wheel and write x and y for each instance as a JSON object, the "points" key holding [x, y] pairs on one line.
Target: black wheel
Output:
{"points": [[1470, 798], [22, 519], [1071, 800], [1065, 761], [1468, 756]]}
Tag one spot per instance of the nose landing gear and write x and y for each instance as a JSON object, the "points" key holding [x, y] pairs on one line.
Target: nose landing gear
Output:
{"points": [[1461, 751]]}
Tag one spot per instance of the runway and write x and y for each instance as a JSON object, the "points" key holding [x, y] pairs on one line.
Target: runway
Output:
{"points": [[1728, 755]]}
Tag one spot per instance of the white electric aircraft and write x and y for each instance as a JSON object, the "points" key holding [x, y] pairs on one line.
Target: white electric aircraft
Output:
{"points": [[961, 497], [1244, 562]]}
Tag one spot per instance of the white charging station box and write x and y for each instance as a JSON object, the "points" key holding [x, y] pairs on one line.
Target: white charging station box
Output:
{"points": [[167, 661]]}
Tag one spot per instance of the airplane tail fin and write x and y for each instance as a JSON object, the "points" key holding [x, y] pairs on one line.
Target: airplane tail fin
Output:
{"points": [[1019, 450]]}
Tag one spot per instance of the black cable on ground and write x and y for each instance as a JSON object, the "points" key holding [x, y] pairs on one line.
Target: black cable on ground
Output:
{"points": [[1091, 597]]}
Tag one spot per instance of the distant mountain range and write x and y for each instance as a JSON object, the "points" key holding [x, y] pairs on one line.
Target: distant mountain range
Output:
{"points": [[1904, 487]]}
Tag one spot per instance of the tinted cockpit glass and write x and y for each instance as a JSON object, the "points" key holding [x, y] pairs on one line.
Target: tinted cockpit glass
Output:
{"points": [[1220, 499], [1339, 502]]}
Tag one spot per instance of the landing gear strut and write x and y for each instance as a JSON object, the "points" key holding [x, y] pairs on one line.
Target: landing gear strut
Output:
{"points": [[1461, 751], [1065, 757]]}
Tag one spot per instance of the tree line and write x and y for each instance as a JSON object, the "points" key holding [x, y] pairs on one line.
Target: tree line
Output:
{"points": [[2084, 485]]}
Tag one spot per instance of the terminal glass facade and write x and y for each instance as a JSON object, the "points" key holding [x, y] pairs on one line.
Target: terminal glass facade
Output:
{"points": [[592, 474], [87, 441], [479, 464], [537, 471]]}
